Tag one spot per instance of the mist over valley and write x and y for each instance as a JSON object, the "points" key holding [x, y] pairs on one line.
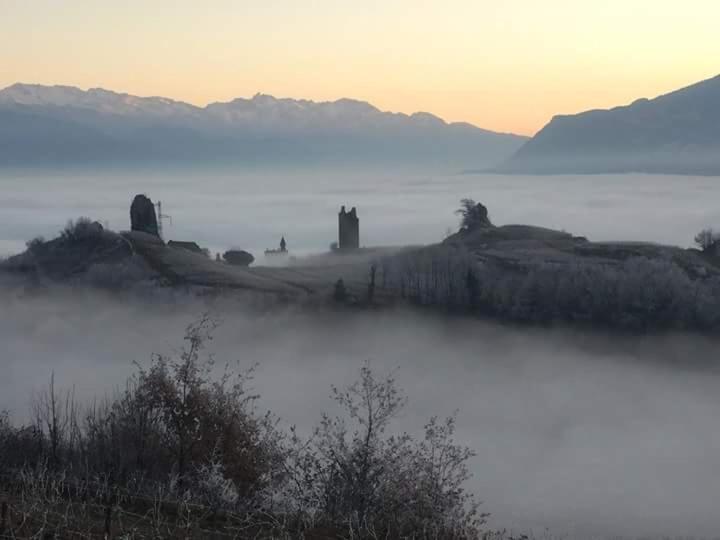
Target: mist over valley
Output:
{"points": [[591, 435], [585, 433], [359, 270]]}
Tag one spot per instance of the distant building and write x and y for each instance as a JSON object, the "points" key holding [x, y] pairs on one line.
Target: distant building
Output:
{"points": [[188, 246], [348, 229], [282, 251]]}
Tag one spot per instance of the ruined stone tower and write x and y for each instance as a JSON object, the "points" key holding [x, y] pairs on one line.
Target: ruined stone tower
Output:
{"points": [[348, 229], [142, 216]]}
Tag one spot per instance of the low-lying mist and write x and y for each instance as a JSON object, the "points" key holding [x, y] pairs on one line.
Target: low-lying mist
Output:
{"points": [[252, 209], [585, 434]]}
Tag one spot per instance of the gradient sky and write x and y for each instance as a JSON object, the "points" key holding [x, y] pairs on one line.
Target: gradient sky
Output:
{"points": [[507, 65]]}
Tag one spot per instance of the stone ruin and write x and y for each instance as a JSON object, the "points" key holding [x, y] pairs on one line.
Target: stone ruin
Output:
{"points": [[142, 216], [348, 229]]}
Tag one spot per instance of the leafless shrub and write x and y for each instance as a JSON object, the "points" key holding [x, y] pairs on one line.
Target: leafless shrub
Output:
{"points": [[707, 240], [183, 453], [55, 415], [202, 417], [354, 478], [213, 487], [176, 420]]}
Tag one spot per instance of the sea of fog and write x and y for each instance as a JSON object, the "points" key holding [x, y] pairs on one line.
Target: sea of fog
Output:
{"points": [[586, 435], [581, 433], [252, 209]]}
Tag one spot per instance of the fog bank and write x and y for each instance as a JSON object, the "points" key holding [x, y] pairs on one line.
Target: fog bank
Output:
{"points": [[225, 207], [586, 434]]}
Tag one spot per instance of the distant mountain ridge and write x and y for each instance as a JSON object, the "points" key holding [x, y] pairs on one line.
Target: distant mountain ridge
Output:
{"points": [[676, 133], [48, 124]]}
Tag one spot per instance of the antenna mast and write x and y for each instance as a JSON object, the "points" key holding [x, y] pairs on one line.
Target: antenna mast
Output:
{"points": [[160, 217]]}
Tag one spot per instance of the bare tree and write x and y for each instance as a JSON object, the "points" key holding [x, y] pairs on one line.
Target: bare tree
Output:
{"points": [[707, 240], [56, 416]]}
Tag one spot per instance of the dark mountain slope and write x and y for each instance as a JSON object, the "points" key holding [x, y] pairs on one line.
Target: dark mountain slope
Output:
{"points": [[677, 132]]}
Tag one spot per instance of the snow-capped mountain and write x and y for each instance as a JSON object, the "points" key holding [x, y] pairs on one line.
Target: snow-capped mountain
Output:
{"points": [[50, 123], [96, 99]]}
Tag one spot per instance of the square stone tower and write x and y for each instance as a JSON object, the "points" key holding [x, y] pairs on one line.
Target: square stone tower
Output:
{"points": [[348, 229]]}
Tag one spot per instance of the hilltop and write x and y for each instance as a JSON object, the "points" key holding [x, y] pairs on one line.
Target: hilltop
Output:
{"points": [[510, 272]]}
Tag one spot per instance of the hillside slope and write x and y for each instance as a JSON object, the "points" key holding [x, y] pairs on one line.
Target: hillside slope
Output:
{"points": [[676, 133]]}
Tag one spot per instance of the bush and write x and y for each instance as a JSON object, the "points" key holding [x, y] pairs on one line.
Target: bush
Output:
{"points": [[81, 229], [35, 244], [352, 475], [180, 452], [707, 240]]}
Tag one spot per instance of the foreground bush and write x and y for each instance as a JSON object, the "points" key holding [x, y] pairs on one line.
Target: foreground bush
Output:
{"points": [[181, 452], [352, 476]]}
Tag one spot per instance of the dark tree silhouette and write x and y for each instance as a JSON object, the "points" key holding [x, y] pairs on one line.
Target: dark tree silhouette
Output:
{"points": [[472, 215]]}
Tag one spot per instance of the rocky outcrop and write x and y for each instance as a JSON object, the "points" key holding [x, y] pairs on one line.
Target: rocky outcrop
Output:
{"points": [[142, 216], [238, 257]]}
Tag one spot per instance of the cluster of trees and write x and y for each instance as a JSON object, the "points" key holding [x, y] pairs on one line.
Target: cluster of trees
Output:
{"points": [[177, 433], [85, 252], [708, 241], [472, 215], [636, 294]]}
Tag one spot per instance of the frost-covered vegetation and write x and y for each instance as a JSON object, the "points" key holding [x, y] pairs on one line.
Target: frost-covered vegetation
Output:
{"points": [[708, 240], [182, 452], [514, 272], [86, 253], [638, 293]]}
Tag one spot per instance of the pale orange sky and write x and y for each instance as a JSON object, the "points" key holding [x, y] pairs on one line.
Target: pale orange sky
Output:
{"points": [[507, 65]]}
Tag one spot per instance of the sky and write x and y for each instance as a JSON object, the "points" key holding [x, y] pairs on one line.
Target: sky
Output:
{"points": [[506, 65]]}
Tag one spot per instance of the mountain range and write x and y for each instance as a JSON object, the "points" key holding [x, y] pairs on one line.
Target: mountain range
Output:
{"points": [[675, 133], [66, 125]]}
